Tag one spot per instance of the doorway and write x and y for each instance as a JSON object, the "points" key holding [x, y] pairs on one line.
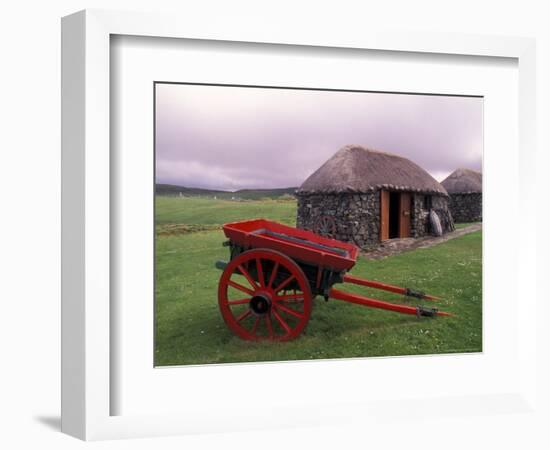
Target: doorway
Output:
{"points": [[395, 215]]}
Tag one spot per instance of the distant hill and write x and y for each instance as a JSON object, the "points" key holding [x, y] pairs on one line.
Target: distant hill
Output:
{"points": [[171, 189], [242, 194]]}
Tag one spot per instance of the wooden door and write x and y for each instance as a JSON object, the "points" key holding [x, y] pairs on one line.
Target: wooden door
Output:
{"points": [[405, 215], [384, 215]]}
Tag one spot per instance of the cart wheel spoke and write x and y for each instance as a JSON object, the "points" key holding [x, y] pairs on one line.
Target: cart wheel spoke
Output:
{"points": [[248, 277], [269, 326], [281, 321], [240, 287], [255, 326], [273, 275], [260, 272], [288, 311], [241, 301], [244, 315], [284, 283]]}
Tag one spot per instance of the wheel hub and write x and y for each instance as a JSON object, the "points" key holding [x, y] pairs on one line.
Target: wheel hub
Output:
{"points": [[260, 304]]}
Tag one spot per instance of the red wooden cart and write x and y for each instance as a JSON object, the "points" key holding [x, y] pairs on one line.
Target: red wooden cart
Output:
{"points": [[266, 290]]}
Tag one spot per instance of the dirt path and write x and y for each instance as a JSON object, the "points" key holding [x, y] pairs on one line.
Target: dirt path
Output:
{"points": [[396, 246]]}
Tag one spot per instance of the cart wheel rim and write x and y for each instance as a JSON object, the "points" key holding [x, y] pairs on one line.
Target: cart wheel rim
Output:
{"points": [[263, 294]]}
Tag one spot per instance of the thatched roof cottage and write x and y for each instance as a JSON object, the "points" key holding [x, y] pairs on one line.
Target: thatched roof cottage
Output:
{"points": [[464, 187], [367, 196]]}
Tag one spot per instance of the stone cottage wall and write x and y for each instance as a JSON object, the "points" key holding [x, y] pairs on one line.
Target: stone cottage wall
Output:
{"points": [[357, 216], [420, 220], [466, 207]]}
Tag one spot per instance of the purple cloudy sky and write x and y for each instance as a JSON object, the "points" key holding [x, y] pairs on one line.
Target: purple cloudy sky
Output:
{"points": [[232, 138]]}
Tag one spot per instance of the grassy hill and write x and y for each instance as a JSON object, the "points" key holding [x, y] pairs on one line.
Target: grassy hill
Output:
{"points": [[242, 194], [175, 215]]}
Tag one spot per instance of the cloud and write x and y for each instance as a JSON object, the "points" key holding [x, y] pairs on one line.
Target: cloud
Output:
{"points": [[232, 138]]}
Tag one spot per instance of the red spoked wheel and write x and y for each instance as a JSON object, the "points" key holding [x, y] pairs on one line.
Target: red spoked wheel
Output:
{"points": [[263, 294]]}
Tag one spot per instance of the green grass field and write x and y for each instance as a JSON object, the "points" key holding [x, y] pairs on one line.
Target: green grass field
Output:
{"points": [[190, 329]]}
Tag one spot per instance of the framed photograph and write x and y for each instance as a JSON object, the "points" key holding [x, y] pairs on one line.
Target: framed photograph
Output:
{"points": [[259, 170], [252, 217]]}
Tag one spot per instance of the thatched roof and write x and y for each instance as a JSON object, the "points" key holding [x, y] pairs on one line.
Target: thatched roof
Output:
{"points": [[463, 181], [357, 169]]}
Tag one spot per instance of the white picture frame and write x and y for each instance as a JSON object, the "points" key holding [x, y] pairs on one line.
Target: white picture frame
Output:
{"points": [[86, 239]]}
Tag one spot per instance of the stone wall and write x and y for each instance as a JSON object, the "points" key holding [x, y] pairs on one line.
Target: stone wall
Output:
{"points": [[356, 216], [466, 207], [420, 220]]}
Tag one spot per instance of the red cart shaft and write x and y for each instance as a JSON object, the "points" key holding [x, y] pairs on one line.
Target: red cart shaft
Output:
{"points": [[366, 301], [387, 287]]}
